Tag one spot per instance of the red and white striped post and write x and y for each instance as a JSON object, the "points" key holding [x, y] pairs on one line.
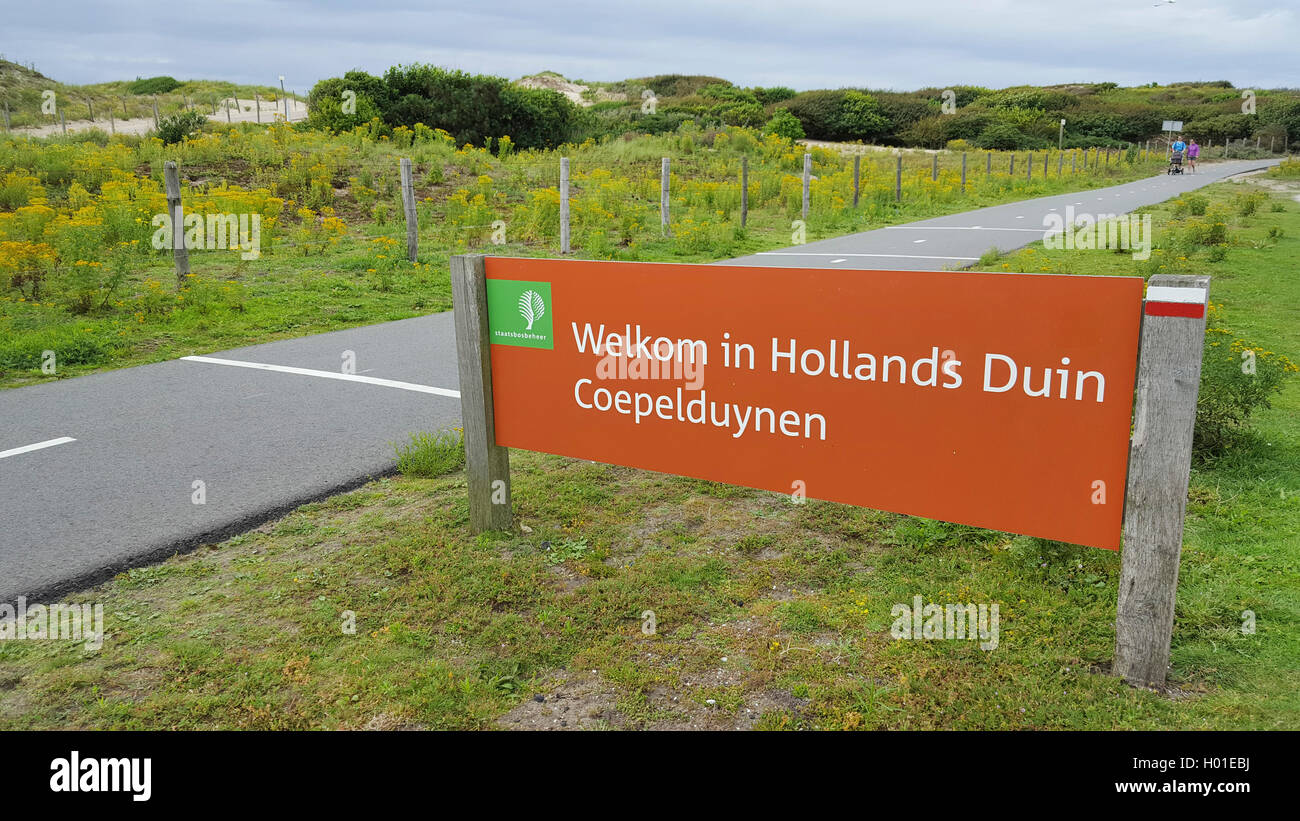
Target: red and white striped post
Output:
{"points": [[1160, 461]]}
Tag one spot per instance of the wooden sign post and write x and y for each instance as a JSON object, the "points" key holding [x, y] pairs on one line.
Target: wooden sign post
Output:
{"points": [[1160, 460], [487, 464]]}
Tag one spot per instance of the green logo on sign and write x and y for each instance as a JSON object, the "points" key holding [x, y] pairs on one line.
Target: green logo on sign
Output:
{"points": [[519, 313]]}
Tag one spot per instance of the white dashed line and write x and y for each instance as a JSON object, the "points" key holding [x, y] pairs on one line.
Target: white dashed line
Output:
{"points": [[881, 256], [841, 259], [951, 228], [346, 377], [48, 443]]}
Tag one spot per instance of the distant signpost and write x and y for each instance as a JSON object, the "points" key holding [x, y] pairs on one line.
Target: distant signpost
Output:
{"points": [[1003, 401]]}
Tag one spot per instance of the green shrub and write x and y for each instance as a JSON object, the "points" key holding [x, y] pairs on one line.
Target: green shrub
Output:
{"points": [[784, 124], [1210, 230], [176, 127], [1237, 378], [153, 85], [1248, 204], [773, 95], [470, 107], [432, 454], [1004, 137], [1194, 204], [840, 114]]}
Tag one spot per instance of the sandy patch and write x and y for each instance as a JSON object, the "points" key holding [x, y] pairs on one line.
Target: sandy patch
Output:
{"points": [[576, 92], [228, 110]]}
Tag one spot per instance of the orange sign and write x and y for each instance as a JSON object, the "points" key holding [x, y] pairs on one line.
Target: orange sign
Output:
{"points": [[997, 400]]}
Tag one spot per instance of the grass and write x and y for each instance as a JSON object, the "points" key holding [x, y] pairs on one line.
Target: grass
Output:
{"points": [[432, 454], [629, 599]]}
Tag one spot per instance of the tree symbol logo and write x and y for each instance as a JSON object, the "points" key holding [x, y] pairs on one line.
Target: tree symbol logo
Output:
{"points": [[531, 307]]}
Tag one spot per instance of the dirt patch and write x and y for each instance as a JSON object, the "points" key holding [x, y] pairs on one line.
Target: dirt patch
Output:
{"points": [[584, 702], [579, 704], [385, 721], [1289, 187]]}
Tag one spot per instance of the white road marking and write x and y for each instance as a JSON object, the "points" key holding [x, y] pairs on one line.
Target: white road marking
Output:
{"points": [[952, 228], [48, 443], [883, 256], [841, 259], [917, 240], [346, 377]]}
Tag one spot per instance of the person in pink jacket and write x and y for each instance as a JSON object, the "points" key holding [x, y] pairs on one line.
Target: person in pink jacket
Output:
{"points": [[1193, 151]]}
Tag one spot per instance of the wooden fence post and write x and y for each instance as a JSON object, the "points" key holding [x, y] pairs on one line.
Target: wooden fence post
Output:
{"points": [[1160, 457], [1047, 155], [1011, 166], [6, 115], [1029, 167], [744, 190], [898, 178], [963, 172], [257, 101], [155, 112], [857, 178], [988, 163], [487, 465], [180, 254], [934, 167], [564, 205], [1074, 156], [63, 123], [408, 207], [112, 123], [1060, 163], [90, 106], [663, 199], [807, 178]]}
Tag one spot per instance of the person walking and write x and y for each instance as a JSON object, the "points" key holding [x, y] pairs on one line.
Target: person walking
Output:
{"points": [[1176, 155], [1193, 151]]}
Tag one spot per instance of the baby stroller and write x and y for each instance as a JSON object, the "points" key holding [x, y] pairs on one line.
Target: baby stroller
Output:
{"points": [[1175, 163]]}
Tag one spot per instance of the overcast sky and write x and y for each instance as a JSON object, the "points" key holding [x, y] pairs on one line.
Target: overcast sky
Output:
{"points": [[899, 44]]}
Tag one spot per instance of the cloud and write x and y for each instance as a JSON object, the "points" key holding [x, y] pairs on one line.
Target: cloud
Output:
{"points": [[756, 42]]}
